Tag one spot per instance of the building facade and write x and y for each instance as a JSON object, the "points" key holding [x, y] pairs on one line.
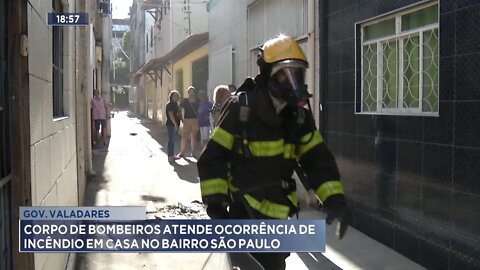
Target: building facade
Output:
{"points": [[168, 25], [120, 69], [46, 82], [119, 27], [137, 57], [399, 84]]}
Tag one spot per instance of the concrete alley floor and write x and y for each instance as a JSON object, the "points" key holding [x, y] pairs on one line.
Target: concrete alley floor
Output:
{"points": [[134, 171]]}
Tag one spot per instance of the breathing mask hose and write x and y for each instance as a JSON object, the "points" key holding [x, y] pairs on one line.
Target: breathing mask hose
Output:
{"points": [[301, 121]]}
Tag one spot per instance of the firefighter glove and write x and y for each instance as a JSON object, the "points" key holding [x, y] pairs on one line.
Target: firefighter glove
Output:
{"points": [[337, 210]]}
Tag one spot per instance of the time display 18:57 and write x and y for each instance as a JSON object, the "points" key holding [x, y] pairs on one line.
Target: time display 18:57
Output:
{"points": [[72, 18], [57, 19]]}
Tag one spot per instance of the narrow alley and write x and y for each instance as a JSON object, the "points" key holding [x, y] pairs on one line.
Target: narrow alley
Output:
{"points": [[133, 170]]}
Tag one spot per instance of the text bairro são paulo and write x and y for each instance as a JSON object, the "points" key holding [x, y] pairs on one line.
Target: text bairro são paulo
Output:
{"points": [[214, 236]]}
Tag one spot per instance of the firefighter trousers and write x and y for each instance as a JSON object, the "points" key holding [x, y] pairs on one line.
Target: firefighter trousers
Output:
{"points": [[269, 261]]}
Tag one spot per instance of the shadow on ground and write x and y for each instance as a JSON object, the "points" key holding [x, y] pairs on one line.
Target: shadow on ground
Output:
{"points": [[186, 168], [186, 172]]}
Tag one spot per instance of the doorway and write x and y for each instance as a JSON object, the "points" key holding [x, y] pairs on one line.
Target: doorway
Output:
{"points": [[200, 74]]}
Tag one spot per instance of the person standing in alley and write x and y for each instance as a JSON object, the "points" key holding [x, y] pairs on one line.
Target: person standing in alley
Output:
{"points": [[190, 122], [99, 114], [204, 117], [173, 122], [220, 95]]}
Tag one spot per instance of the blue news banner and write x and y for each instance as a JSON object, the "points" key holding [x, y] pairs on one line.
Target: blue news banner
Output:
{"points": [[126, 229]]}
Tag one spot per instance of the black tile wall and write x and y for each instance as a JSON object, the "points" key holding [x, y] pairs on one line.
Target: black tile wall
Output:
{"points": [[466, 85], [412, 182], [334, 57], [386, 126], [406, 242], [446, 75], [468, 259], [363, 192], [466, 3], [440, 129], [348, 146], [366, 149], [363, 221], [467, 29], [447, 6], [432, 257], [333, 142], [447, 32], [383, 231], [347, 118], [436, 204], [348, 60], [466, 173], [347, 22], [409, 159], [366, 9], [334, 81], [465, 216], [410, 128], [408, 196], [385, 189], [333, 116], [347, 89], [333, 36], [437, 166], [365, 125], [386, 155], [467, 123], [388, 6], [334, 6], [458, 261]]}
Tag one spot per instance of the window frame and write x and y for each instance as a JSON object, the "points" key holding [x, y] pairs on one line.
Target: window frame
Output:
{"points": [[399, 36]]}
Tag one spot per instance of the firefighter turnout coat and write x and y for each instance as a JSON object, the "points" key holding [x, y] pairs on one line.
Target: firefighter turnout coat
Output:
{"points": [[275, 142]]}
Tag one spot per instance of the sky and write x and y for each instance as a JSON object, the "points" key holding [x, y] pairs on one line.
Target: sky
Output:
{"points": [[120, 8]]}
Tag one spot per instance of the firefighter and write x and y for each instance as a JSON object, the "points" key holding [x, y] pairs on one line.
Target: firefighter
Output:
{"points": [[263, 134]]}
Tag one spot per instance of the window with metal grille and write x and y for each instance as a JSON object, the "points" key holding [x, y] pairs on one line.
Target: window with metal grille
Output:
{"points": [[399, 63], [57, 65]]}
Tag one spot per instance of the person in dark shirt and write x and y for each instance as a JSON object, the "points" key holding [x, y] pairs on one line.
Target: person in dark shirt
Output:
{"points": [[173, 122], [190, 122]]}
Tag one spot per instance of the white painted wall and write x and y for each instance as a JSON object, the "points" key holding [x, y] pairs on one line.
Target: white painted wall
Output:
{"points": [[247, 24], [149, 48], [227, 22], [53, 142], [173, 27], [179, 22]]}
